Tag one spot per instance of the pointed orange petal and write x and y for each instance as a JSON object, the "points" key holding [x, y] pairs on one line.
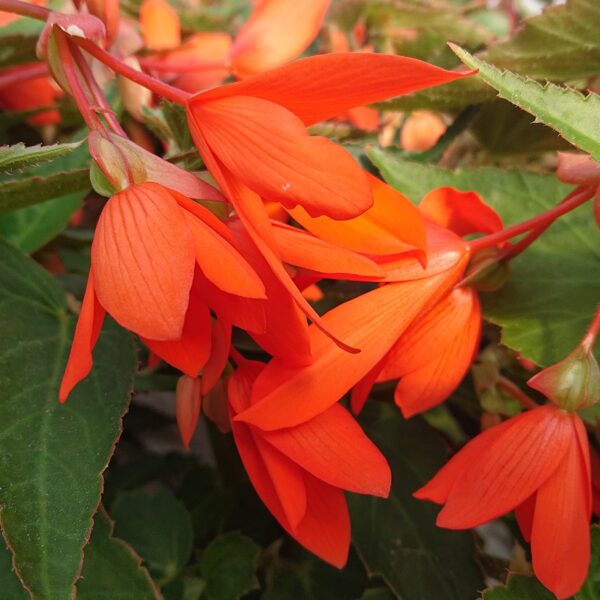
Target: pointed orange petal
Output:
{"points": [[143, 260], [222, 264], [510, 470], [188, 403], [160, 25], [86, 335], [189, 353], [434, 355], [393, 225], [334, 448], [268, 148], [361, 391], [220, 344], [326, 86], [560, 537], [285, 396], [276, 32], [461, 212], [301, 249]]}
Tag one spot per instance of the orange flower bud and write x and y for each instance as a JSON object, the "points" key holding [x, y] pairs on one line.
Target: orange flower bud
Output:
{"points": [[160, 25], [188, 402], [421, 131]]}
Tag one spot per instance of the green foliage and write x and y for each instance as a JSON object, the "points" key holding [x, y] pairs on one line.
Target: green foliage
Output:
{"points": [[519, 587], [560, 44], [575, 116], [397, 538], [228, 566], [9, 582], [553, 288], [17, 49], [19, 156], [159, 529], [52, 456], [111, 569]]}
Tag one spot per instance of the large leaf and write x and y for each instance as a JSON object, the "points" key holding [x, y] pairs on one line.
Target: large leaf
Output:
{"points": [[228, 565], [9, 582], [554, 286], [561, 44], [17, 48], [159, 529], [397, 537], [111, 569], [574, 116], [52, 456], [519, 587], [19, 156]]}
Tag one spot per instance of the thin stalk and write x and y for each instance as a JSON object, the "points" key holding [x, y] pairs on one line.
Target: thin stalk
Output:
{"points": [[186, 67], [514, 390], [22, 73], [159, 87], [542, 220], [25, 9], [587, 343]]}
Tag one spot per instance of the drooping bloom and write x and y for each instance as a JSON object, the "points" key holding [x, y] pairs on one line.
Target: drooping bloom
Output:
{"points": [[301, 472], [537, 464], [416, 326], [160, 263]]}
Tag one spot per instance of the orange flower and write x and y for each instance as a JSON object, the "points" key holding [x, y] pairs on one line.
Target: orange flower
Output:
{"points": [[160, 262], [421, 131], [538, 464], [300, 473], [160, 25], [276, 32], [400, 328]]}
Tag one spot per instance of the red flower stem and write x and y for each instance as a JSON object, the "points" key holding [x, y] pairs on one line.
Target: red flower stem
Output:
{"points": [[587, 343], [25, 9], [95, 91], [152, 64], [79, 96], [158, 87], [514, 390], [22, 73], [543, 220]]}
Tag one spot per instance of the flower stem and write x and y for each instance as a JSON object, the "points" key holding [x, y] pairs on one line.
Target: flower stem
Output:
{"points": [[514, 390], [22, 73], [587, 343], [185, 67], [540, 222], [25, 9], [159, 87]]}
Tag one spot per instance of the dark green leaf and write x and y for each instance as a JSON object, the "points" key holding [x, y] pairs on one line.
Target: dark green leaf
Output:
{"points": [[380, 593], [554, 286], [17, 49], [19, 156], [159, 529], [52, 456], [9, 582], [560, 44], [228, 565], [519, 587], [574, 116], [111, 569], [591, 587], [397, 537]]}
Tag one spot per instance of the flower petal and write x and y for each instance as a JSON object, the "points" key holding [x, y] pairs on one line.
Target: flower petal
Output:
{"points": [[220, 345], [328, 85], [87, 330], [334, 448], [268, 148], [160, 25], [143, 261], [560, 536], [285, 396], [188, 404], [461, 212], [276, 32]]}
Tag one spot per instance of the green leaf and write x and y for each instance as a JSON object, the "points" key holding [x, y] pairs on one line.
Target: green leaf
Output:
{"points": [[574, 116], [396, 537], [379, 593], [159, 529], [228, 565], [20, 156], [591, 587], [519, 587], [9, 582], [554, 286], [560, 44], [111, 569], [17, 49], [443, 98], [52, 456]]}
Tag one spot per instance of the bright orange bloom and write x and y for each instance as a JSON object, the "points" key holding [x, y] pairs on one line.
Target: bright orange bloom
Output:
{"points": [[160, 25], [31, 94], [276, 32], [417, 326], [160, 262], [300, 473], [538, 464]]}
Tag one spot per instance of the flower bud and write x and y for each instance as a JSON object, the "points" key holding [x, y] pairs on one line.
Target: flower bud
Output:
{"points": [[421, 131], [573, 383], [485, 272], [188, 402], [577, 168], [215, 407], [160, 25]]}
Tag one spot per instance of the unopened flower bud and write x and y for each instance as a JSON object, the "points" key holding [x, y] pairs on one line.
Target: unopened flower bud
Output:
{"points": [[188, 402], [486, 272], [573, 383], [577, 168], [215, 407], [421, 131], [135, 97]]}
